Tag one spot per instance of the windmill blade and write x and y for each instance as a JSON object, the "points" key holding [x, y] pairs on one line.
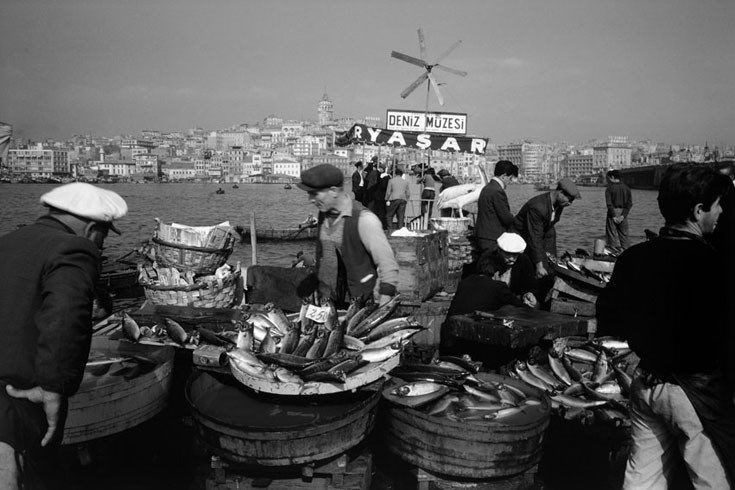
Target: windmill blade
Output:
{"points": [[438, 93], [451, 70], [422, 44], [449, 50], [408, 59], [415, 84]]}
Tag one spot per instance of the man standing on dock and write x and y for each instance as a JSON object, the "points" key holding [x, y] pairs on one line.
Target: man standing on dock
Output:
{"points": [[358, 182], [353, 253], [666, 297], [619, 201], [396, 197], [493, 211], [49, 271], [536, 221]]}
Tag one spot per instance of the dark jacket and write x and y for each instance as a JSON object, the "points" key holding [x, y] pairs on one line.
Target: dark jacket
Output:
{"points": [[480, 292], [448, 181], [533, 222], [618, 195], [48, 276], [666, 298], [493, 212], [356, 189]]}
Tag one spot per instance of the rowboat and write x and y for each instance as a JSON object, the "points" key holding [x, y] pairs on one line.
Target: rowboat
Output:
{"points": [[280, 234]]}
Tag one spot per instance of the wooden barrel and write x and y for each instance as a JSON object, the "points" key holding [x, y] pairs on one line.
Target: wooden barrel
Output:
{"points": [[469, 449], [255, 428], [109, 403]]}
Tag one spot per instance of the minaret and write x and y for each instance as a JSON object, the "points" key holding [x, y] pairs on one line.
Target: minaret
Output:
{"points": [[325, 110]]}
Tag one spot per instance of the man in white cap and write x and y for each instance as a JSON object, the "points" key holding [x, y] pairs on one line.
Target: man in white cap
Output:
{"points": [[49, 271]]}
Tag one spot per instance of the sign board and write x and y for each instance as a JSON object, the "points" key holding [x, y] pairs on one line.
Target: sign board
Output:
{"points": [[361, 134], [433, 122]]}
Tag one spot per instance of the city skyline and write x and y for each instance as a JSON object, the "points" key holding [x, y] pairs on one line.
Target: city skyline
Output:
{"points": [[564, 70]]}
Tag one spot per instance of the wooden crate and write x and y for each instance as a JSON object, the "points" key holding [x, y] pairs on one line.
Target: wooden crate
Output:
{"points": [[575, 290], [422, 262], [431, 314], [568, 306]]}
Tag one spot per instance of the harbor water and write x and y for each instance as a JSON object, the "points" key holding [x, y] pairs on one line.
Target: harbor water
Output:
{"points": [[275, 207]]}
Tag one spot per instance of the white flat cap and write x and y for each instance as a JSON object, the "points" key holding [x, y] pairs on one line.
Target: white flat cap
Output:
{"points": [[87, 201], [512, 243]]}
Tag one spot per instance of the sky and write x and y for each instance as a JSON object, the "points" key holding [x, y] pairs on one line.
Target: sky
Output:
{"points": [[547, 70]]}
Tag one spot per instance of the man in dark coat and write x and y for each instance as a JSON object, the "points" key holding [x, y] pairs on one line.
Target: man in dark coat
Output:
{"points": [[536, 220], [666, 298], [358, 182], [493, 211], [448, 180], [372, 178], [49, 271], [619, 201]]}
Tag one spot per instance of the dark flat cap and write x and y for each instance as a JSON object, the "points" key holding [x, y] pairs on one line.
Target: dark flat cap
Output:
{"points": [[321, 177], [568, 187]]}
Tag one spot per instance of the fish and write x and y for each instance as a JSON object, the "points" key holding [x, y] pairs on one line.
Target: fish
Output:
{"points": [[462, 362], [609, 388], [284, 375], [484, 395], [263, 324], [212, 338], [442, 404], [352, 343], [398, 336], [508, 396], [416, 388], [388, 327], [376, 317], [570, 401], [268, 344], [544, 375], [347, 366], [175, 331], [573, 372], [504, 413], [289, 361], [559, 370], [431, 368], [470, 404], [624, 380], [580, 355], [322, 365], [575, 389], [331, 321], [306, 340], [245, 338], [355, 305], [324, 377], [523, 372], [595, 395], [600, 369], [461, 415], [335, 340], [361, 314], [614, 344], [147, 332], [244, 357], [277, 317], [291, 339], [320, 344], [381, 354], [451, 381], [532, 401], [130, 327]]}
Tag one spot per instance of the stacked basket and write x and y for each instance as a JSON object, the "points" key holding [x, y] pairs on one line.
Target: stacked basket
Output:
{"points": [[459, 248], [182, 252]]}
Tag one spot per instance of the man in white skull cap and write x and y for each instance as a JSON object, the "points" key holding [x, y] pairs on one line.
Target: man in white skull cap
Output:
{"points": [[514, 268], [49, 271]]}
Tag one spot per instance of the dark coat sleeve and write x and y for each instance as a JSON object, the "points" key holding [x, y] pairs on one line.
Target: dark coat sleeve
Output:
{"points": [[64, 320], [628, 201], [608, 201], [535, 223], [502, 209]]}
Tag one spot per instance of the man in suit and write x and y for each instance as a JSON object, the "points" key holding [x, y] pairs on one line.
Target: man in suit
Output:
{"points": [[49, 271], [493, 211], [536, 220], [358, 182]]}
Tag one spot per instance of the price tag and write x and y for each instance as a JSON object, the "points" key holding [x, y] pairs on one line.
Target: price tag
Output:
{"points": [[317, 313]]}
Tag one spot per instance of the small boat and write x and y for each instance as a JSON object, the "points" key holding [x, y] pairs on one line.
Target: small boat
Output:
{"points": [[235, 186], [287, 186], [279, 235], [220, 191]]}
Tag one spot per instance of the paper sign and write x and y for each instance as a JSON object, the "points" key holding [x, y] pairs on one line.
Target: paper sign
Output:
{"points": [[317, 314]]}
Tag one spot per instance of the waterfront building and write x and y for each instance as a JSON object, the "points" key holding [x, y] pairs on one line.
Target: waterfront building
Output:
{"points": [[343, 163], [33, 161], [116, 168], [615, 153], [287, 166], [325, 110], [531, 158], [578, 165], [306, 146]]}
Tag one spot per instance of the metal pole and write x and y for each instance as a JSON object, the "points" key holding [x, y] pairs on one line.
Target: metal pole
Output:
{"points": [[253, 239]]}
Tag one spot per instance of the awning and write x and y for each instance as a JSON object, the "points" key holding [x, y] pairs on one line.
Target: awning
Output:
{"points": [[360, 133]]}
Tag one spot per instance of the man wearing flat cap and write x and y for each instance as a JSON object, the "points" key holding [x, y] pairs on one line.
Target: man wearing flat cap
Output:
{"points": [[353, 253], [49, 270], [536, 221]]}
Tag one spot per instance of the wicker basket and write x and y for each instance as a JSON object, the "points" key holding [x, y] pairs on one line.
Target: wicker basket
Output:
{"points": [[198, 260], [211, 294]]}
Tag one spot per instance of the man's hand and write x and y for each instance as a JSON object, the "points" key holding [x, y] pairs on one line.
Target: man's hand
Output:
{"points": [[387, 203], [51, 405], [541, 271], [530, 300], [384, 298], [618, 219]]}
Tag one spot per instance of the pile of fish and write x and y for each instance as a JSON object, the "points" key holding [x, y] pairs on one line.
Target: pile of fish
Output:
{"points": [[128, 366], [447, 387], [586, 379], [566, 262], [270, 347]]}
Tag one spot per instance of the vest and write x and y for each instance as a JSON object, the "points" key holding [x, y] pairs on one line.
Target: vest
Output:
{"points": [[354, 261]]}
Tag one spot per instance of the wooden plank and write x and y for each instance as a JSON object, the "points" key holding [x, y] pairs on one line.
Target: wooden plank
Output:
{"points": [[580, 292], [565, 306], [595, 264]]}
